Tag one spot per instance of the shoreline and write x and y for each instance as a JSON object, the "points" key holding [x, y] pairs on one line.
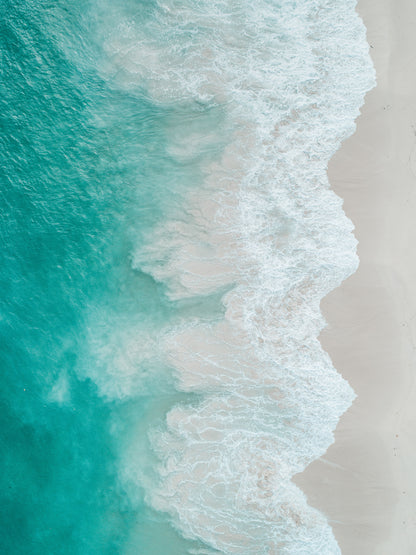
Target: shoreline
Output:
{"points": [[364, 483]]}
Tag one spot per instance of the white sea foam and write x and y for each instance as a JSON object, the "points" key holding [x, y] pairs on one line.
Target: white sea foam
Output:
{"points": [[264, 225]]}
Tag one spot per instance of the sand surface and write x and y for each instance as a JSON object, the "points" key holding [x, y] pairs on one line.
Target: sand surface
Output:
{"points": [[366, 482]]}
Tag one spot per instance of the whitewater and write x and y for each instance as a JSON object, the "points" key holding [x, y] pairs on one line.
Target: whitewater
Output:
{"points": [[266, 93], [201, 344]]}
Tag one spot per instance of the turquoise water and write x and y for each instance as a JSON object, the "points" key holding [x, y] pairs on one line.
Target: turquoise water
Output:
{"points": [[167, 235], [78, 174]]}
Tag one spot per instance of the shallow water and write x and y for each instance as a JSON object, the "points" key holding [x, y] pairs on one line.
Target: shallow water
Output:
{"points": [[168, 233]]}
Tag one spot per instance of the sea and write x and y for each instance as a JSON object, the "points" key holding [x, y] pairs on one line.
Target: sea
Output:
{"points": [[168, 232]]}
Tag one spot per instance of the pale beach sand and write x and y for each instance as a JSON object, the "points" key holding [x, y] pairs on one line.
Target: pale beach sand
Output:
{"points": [[366, 482]]}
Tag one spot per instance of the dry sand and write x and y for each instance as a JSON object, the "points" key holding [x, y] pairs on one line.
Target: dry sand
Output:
{"points": [[366, 482]]}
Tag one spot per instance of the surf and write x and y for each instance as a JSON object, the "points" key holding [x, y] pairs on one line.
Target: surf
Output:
{"points": [[261, 234]]}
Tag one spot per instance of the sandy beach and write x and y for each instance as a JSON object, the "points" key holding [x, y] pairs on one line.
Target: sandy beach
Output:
{"points": [[366, 482]]}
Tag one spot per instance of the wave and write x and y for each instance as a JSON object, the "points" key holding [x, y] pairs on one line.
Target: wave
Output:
{"points": [[260, 227]]}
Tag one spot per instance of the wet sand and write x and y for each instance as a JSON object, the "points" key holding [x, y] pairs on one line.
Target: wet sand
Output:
{"points": [[366, 482]]}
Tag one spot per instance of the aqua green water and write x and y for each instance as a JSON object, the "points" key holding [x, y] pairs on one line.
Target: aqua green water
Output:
{"points": [[79, 182], [167, 234]]}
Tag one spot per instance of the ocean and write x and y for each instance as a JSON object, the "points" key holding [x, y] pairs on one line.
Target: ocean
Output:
{"points": [[168, 232]]}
